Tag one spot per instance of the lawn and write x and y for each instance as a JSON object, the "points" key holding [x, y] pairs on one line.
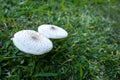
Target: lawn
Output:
{"points": [[90, 52]]}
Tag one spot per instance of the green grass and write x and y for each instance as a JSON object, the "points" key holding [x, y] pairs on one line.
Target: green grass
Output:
{"points": [[90, 52]]}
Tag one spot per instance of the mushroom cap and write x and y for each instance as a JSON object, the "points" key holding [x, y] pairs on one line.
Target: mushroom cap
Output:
{"points": [[32, 42], [52, 31]]}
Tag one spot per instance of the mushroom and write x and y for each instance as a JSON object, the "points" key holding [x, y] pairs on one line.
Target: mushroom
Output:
{"points": [[30, 41], [52, 31]]}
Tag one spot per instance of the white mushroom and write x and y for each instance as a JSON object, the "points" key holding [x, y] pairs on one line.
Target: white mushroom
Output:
{"points": [[32, 42], [52, 31]]}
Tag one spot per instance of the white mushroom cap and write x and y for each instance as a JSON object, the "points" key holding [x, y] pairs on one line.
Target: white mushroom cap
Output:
{"points": [[32, 42], [52, 31]]}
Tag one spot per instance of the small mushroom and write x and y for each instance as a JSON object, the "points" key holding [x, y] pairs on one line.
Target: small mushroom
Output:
{"points": [[52, 31], [30, 41]]}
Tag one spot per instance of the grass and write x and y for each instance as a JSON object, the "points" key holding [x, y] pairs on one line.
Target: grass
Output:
{"points": [[90, 52]]}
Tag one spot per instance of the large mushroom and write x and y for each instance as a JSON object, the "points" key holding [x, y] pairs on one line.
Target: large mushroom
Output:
{"points": [[32, 42], [52, 31]]}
